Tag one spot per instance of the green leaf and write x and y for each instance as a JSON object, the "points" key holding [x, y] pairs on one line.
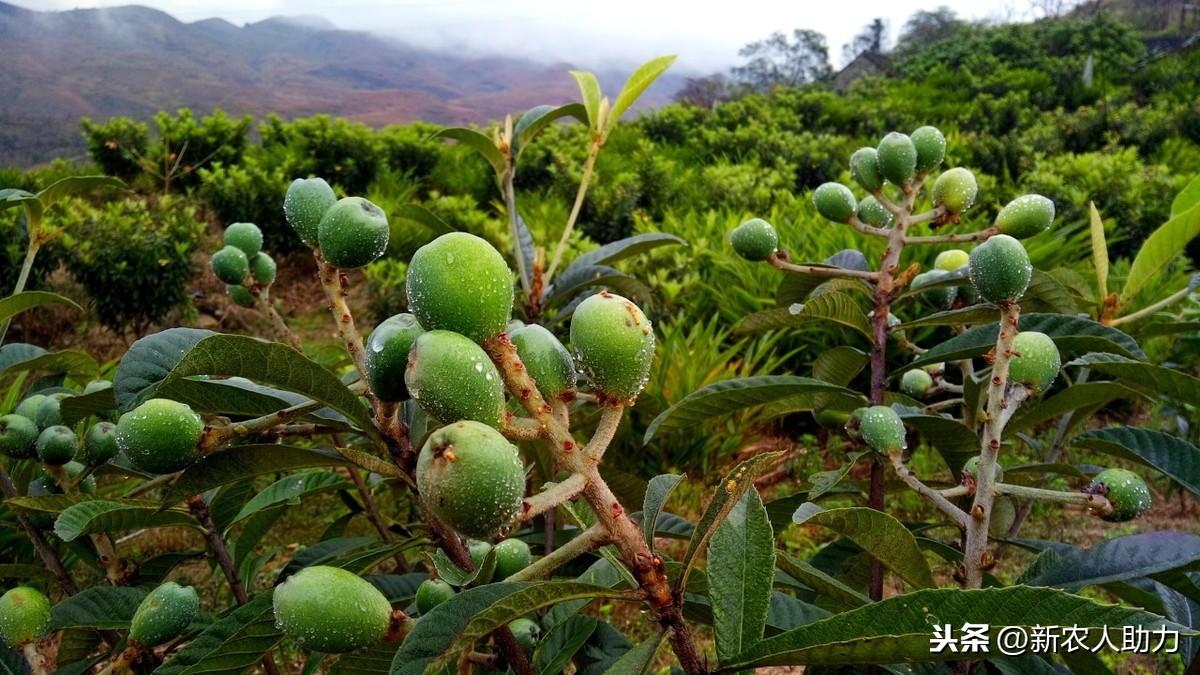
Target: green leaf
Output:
{"points": [[741, 564], [589, 94], [1167, 328], [478, 142], [638, 82], [1187, 197], [809, 575], [877, 533], [411, 226], [102, 607], [950, 437], [1117, 559], [624, 248], [561, 643], [231, 644], [324, 553], [374, 464], [1099, 250], [1070, 333], [75, 408], [375, 660], [18, 352], [112, 515], [1074, 397], [1047, 294], [727, 494], [833, 307], [239, 397], [529, 598], [397, 588], [274, 364], [15, 304], [149, 361], [538, 118], [289, 490], [657, 493], [245, 461], [963, 315], [637, 661], [1173, 456], [51, 503], [466, 617], [899, 628], [580, 277], [71, 185], [787, 612], [839, 365], [721, 398], [1162, 246], [457, 576], [67, 362], [11, 197], [1153, 379]]}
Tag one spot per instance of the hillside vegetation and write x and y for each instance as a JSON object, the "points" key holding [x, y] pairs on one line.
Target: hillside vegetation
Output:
{"points": [[1020, 104]]}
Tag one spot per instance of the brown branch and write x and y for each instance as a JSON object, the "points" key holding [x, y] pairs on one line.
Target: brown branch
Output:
{"points": [[647, 568], [49, 557], [216, 545]]}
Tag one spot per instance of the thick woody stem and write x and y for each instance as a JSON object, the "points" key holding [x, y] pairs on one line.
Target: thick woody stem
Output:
{"points": [[939, 500], [335, 290], [45, 552], [975, 547], [647, 568], [779, 259], [884, 289], [216, 545], [590, 539]]}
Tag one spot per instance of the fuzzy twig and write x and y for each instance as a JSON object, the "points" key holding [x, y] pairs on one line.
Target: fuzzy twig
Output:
{"points": [[589, 540], [647, 568], [975, 558], [939, 500], [334, 284], [549, 498]]}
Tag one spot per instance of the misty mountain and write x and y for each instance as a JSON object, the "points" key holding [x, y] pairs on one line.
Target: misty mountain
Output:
{"points": [[133, 60]]}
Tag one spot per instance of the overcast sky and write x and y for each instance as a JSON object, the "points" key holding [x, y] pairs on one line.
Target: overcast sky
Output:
{"points": [[705, 33]]}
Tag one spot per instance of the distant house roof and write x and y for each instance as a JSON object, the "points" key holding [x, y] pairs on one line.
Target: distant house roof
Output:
{"points": [[866, 63]]}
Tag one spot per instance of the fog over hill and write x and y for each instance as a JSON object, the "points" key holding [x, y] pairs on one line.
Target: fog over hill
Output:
{"points": [[61, 66]]}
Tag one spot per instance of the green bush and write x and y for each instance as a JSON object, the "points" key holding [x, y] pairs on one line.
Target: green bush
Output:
{"points": [[117, 145], [1134, 195], [250, 192], [133, 257], [345, 153]]}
